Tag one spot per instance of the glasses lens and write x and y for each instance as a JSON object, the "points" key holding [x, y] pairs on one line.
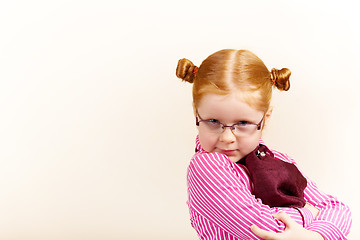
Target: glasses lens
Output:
{"points": [[244, 129], [212, 125]]}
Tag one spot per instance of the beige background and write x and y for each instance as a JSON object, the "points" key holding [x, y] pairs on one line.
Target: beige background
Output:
{"points": [[96, 131]]}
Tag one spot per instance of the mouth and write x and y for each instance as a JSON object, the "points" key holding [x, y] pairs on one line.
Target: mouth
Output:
{"points": [[228, 152]]}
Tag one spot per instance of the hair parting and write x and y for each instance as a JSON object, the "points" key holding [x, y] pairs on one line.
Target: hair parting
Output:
{"points": [[228, 70]]}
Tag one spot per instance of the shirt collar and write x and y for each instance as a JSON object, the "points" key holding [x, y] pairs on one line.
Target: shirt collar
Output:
{"points": [[198, 147]]}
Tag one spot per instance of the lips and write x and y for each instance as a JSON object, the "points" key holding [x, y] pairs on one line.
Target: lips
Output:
{"points": [[228, 152]]}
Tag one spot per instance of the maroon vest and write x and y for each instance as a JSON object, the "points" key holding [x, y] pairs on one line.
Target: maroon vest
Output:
{"points": [[275, 182]]}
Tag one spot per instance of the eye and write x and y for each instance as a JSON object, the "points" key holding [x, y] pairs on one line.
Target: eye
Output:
{"points": [[214, 122], [242, 124]]}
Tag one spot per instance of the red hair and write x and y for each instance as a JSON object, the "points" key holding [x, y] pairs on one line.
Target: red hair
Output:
{"points": [[228, 70]]}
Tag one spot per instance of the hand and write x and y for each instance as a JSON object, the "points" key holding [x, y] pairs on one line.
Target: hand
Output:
{"points": [[293, 231]]}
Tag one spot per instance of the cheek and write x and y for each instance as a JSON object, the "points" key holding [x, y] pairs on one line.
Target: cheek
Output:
{"points": [[208, 142], [247, 145]]}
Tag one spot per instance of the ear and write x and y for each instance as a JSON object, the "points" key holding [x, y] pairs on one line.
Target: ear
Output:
{"points": [[268, 114]]}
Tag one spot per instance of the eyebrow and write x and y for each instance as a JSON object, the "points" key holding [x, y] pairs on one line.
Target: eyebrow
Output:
{"points": [[243, 119]]}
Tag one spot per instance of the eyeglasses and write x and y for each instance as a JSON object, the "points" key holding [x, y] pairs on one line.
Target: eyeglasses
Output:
{"points": [[240, 129]]}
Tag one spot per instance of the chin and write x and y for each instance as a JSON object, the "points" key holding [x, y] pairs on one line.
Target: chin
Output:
{"points": [[234, 158]]}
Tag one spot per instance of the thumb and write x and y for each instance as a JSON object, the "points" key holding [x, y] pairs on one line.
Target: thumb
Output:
{"points": [[285, 218]]}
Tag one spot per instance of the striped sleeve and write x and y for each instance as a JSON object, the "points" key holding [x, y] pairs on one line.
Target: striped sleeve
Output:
{"points": [[334, 219], [219, 196]]}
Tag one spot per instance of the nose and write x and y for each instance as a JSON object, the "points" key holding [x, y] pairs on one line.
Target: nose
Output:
{"points": [[227, 136]]}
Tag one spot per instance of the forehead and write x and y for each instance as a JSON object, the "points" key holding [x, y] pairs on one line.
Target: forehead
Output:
{"points": [[227, 108]]}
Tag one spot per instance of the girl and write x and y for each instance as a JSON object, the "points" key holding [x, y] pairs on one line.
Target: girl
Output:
{"points": [[237, 187]]}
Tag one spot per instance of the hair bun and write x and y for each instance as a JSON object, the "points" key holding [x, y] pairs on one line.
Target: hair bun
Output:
{"points": [[281, 78], [185, 70]]}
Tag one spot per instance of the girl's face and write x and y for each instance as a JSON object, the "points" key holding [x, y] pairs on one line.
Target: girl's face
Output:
{"points": [[229, 110]]}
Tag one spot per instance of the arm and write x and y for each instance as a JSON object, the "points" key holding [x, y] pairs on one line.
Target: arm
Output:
{"points": [[218, 194], [293, 231], [334, 218]]}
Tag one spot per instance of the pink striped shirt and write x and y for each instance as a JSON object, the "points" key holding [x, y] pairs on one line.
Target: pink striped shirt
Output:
{"points": [[222, 207]]}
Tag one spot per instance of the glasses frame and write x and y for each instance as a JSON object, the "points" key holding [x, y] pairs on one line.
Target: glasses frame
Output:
{"points": [[232, 127]]}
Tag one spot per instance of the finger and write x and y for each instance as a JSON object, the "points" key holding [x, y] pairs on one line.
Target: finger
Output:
{"points": [[286, 219], [263, 233]]}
